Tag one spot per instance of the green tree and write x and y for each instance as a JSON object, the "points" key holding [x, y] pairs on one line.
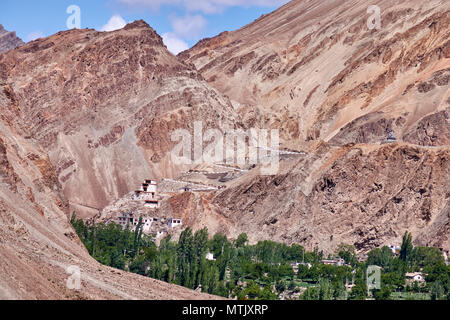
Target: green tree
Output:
{"points": [[267, 294], [406, 247], [359, 291], [139, 265], [252, 291], [348, 253], [241, 240], [117, 259], [312, 293], [436, 290], [426, 256], [218, 243], [382, 294], [325, 290], [199, 259], [137, 237], [185, 252], [380, 257]]}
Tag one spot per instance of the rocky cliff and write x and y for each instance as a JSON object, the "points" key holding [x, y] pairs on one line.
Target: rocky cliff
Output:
{"points": [[84, 116], [338, 89], [104, 105], [8, 40]]}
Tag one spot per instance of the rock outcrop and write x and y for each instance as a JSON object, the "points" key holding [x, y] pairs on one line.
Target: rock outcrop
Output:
{"points": [[8, 40]]}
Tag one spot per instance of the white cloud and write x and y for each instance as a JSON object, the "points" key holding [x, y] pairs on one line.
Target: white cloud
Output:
{"points": [[173, 43], [152, 4], [214, 6], [115, 22], [188, 26], [205, 6], [34, 35]]}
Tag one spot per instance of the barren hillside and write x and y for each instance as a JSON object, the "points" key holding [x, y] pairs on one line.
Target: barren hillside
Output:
{"points": [[80, 114], [315, 70], [85, 116], [103, 105], [337, 90]]}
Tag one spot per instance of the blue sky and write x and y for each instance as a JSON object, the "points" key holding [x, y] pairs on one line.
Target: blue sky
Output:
{"points": [[181, 22]]}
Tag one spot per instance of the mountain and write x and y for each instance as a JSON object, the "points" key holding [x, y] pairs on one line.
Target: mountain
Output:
{"points": [[316, 71], [81, 115], [86, 116], [8, 40], [37, 243], [103, 104], [337, 90]]}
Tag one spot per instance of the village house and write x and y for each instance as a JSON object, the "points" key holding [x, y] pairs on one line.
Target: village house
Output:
{"points": [[148, 194], [175, 223], [415, 277], [210, 256], [159, 234], [349, 286], [446, 255], [130, 220], [334, 262], [295, 265], [395, 249], [125, 219]]}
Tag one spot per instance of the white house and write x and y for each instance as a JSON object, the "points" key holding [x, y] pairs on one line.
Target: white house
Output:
{"points": [[210, 256], [129, 219], [334, 262], [147, 224], [395, 249], [415, 277], [159, 234], [148, 193], [175, 222]]}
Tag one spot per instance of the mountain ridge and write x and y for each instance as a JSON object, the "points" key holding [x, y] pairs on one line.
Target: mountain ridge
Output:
{"points": [[8, 40], [62, 105], [334, 87]]}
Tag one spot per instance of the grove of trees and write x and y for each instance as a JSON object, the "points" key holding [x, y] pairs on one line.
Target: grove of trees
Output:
{"points": [[263, 270]]}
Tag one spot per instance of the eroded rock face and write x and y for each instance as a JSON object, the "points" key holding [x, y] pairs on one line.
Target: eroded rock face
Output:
{"points": [[104, 106], [359, 194], [317, 64], [8, 40], [72, 108], [315, 71], [432, 130]]}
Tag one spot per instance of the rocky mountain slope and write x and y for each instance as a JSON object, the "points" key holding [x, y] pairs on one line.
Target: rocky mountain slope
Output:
{"points": [[104, 104], [336, 89], [81, 115], [37, 243], [8, 40], [316, 70], [85, 116]]}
